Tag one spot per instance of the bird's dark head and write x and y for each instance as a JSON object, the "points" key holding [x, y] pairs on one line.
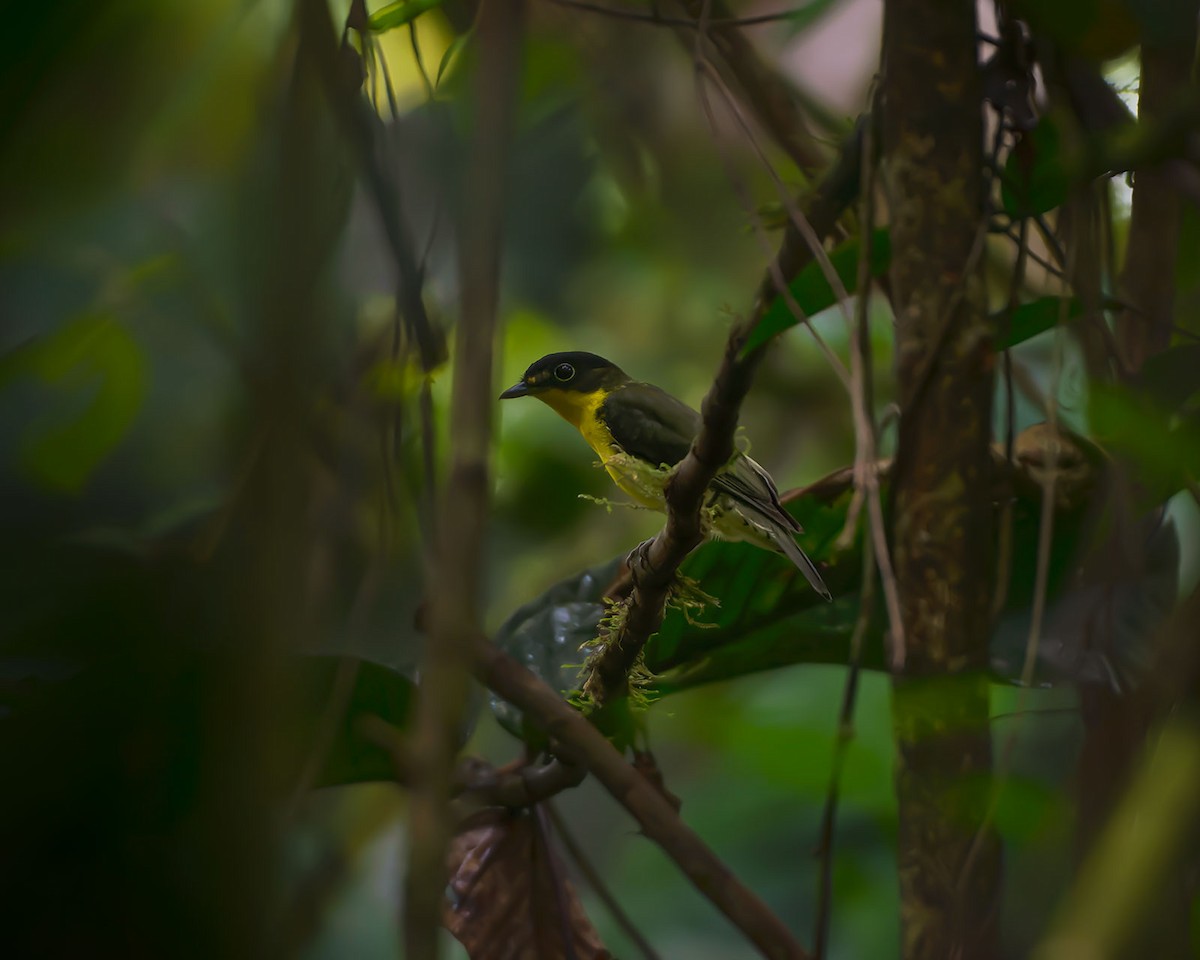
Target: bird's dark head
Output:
{"points": [[572, 372]]}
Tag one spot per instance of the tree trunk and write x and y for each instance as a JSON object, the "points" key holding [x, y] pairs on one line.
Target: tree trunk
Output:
{"points": [[941, 520]]}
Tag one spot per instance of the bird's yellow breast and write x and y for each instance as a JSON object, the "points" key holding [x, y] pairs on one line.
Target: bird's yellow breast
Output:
{"points": [[582, 411]]}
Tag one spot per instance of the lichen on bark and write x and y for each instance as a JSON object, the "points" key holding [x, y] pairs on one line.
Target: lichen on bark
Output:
{"points": [[941, 517]]}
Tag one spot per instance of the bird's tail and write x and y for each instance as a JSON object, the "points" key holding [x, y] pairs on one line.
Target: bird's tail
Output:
{"points": [[782, 538]]}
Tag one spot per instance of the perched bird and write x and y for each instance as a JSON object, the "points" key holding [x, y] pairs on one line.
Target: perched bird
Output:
{"points": [[640, 432]]}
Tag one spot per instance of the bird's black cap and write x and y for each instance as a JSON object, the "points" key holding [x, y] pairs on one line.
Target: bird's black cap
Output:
{"points": [[572, 370]]}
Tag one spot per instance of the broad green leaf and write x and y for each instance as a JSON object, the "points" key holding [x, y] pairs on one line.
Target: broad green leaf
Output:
{"points": [[812, 291], [364, 689], [767, 616], [1036, 316], [100, 370], [1035, 178], [399, 14]]}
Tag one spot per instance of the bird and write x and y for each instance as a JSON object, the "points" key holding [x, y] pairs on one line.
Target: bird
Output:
{"points": [[640, 432]]}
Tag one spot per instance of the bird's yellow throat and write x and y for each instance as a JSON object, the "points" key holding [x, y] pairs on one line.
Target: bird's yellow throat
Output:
{"points": [[582, 411]]}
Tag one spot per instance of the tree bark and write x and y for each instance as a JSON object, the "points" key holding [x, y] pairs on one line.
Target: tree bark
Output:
{"points": [[1150, 258], [941, 521]]}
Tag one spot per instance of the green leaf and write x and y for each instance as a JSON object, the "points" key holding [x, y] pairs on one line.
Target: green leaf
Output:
{"points": [[768, 617], [1172, 378], [812, 291], [362, 688], [451, 54], [93, 362], [1036, 316], [1130, 423], [1035, 178], [806, 16], [399, 14]]}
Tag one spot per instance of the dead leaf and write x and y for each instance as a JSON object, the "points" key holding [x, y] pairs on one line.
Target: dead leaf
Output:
{"points": [[509, 897]]}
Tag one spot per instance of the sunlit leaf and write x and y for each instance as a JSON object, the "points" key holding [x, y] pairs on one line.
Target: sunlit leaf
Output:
{"points": [[451, 54], [811, 289], [399, 14], [99, 369]]}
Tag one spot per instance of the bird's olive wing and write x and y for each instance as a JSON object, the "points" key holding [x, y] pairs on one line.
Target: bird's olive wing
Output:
{"points": [[746, 481], [649, 423]]}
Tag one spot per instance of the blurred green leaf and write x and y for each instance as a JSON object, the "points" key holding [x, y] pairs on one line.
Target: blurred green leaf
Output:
{"points": [[1025, 807], [93, 354], [1035, 178], [812, 291], [1035, 317], [452, 51], [806, 16], [399, 14], [1130, 423], [1172, 378], [362, 688]]}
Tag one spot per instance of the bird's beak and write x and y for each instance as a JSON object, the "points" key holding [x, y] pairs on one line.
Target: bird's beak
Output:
{"points": [[516, 390]]}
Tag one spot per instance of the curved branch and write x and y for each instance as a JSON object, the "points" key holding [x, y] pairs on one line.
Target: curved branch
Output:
{"points": [[653, 565]]}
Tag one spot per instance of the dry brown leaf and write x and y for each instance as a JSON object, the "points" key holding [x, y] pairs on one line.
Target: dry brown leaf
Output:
{"points": [[509, 897]]}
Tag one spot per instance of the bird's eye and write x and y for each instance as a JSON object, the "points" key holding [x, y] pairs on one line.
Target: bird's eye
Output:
{"points": [[564, 372]]}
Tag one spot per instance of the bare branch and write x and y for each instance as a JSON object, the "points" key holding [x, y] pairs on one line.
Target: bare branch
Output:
{"points": [[581, 743]]}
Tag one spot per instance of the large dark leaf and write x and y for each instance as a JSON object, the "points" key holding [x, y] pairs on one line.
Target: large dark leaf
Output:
{"points": [[1036, 177], [1035, 317], [769, 617]]}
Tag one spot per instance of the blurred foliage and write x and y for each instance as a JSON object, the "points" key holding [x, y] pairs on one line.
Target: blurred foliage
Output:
{"points": [[214, 491]]}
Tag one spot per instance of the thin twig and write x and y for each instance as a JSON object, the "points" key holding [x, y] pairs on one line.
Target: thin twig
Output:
{"points": [[455, 587], [1037, 614], [864, 473], [760, 233], [558, 880], [1004, 553], [588, 870], [843, 737], [658, 19]]}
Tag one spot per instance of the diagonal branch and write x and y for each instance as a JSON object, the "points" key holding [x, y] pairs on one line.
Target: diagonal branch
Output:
{"points": [[582, 744], [653, 566]]}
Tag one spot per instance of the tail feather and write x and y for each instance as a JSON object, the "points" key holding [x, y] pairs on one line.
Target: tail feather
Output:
{"points": [[759, 525], [783, 539]]}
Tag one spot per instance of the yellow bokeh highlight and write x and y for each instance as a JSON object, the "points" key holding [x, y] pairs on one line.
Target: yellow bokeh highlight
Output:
{"points": [[396, 48]]}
